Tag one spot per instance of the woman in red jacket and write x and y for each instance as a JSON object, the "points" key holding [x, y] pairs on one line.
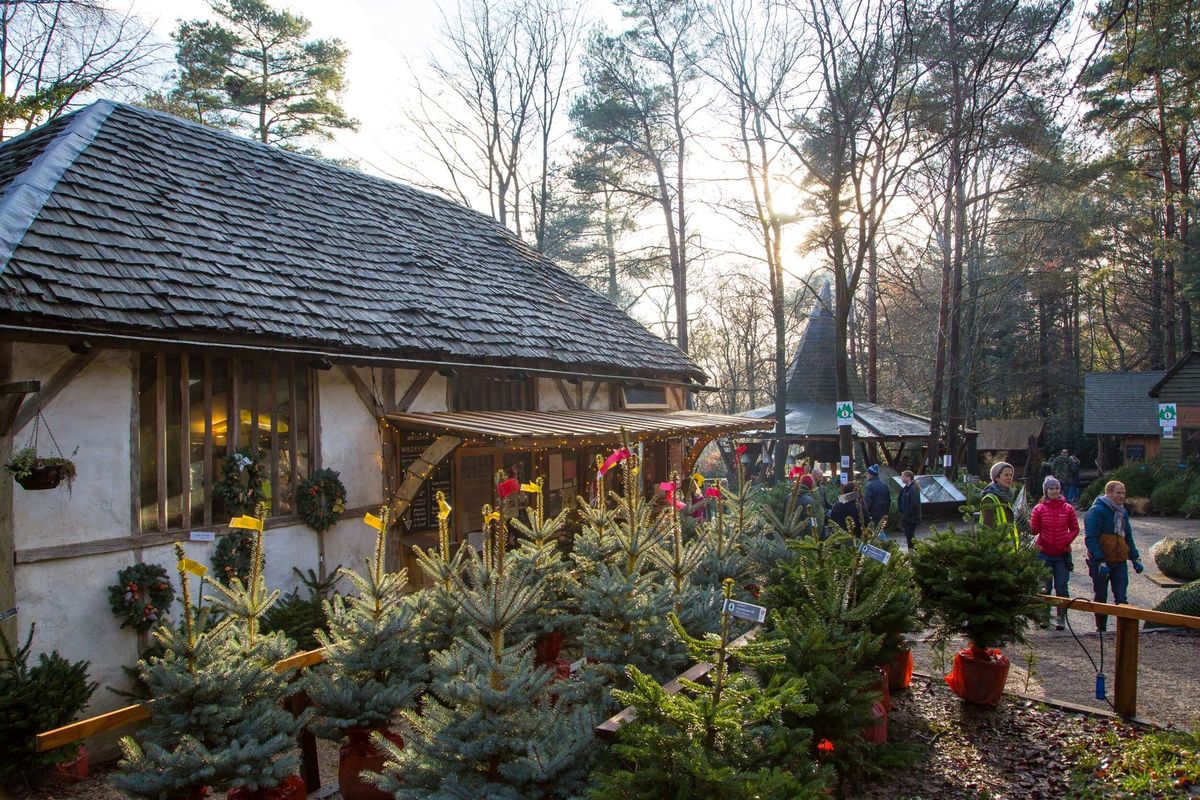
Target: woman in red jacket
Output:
{"points": [[1055, 526]]}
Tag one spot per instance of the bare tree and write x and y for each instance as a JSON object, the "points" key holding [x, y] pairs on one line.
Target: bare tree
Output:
{"points": [[53, 53]]}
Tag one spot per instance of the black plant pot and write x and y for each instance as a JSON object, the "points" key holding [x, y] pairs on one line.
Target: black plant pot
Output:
{"points": [[45, 476]]}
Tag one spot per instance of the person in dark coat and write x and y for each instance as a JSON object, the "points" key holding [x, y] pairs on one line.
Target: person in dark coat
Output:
{"points": [[909, 504], [848, 512], [879, 498]]}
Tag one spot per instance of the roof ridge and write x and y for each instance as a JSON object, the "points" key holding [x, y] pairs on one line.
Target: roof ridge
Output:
{"points": [[29, 190]]}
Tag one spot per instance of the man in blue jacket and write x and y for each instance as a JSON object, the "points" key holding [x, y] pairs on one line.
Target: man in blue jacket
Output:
{"points": [[878, 497], [1109, 539]]}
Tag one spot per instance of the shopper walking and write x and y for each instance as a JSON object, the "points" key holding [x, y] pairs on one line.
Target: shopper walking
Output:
{"points": [[1055, 527]]}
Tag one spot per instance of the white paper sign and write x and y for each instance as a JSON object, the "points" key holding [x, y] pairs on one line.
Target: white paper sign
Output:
{"points": [[844, 477], [1168, 432], [877, 553], [202, 536], [947, 460], [737, 608], [845, 462], [1168, 413], [845, 412]]}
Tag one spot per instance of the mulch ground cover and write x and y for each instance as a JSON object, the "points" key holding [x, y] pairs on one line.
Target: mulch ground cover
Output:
{"points": [[1022, 749]]}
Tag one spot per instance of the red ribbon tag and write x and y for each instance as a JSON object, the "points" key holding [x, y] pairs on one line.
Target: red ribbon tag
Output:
{"points": [[796, 472], [739, 450], [505, 488], [618, 455], [712, 491]]}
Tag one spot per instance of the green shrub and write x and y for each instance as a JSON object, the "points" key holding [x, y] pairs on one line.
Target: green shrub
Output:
{"points": [[1168, 497], [1139, 479], [34, 699]]}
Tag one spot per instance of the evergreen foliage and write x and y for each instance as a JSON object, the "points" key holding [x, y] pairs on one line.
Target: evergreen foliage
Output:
{"points": [[373, 657], [439, 619], [539, 545], [835, 609], [216, 720], [719, 741], [976, 584], [300, 618], [488, 727], [34, 699]]}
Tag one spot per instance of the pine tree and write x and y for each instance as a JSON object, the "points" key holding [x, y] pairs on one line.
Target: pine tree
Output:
{"points": [[624, 597], [216, 719], [719, 741], [374, 660], [439, 619], [488, 727], [539, 545]]}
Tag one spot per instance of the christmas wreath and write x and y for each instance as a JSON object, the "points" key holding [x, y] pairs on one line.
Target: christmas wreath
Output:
{"points": [[234, 555], [241, 485], [321, 499], [141, 595]]}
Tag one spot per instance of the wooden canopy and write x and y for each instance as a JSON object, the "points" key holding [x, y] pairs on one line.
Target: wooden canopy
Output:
{"points": [[539, 429]]}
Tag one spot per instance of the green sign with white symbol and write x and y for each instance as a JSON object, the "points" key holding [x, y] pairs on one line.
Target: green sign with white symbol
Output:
{"points": [[845, 412], [1167, 415]]}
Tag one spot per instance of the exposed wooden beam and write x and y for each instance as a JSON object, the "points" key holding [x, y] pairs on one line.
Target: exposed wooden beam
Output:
{"points": [[420, 469], [389, 388], [592, 395], [693, 454], [414, 390], [369, 401], [11, 397], [59, 381], [566, 396]]}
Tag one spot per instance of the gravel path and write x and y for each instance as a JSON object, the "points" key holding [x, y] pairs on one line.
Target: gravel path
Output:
{"points": [[1168, 659]]}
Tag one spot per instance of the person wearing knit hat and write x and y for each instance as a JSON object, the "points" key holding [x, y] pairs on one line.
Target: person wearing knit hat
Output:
{"points": [[1055, 526], [807, 480], [996, 502], [878, 498]]}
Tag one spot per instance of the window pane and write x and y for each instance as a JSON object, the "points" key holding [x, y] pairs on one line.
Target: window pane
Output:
{"points": [[284, 428], [196, 432], [147, 405], [222, 397], [174, 446], [301, 419]]}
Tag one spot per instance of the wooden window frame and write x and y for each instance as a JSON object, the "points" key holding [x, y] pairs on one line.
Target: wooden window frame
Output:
{"points": [[236, 392], [665, 405], [480, 391]]}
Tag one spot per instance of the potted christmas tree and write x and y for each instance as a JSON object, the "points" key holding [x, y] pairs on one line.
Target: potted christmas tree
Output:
{"points": [[487, 727], [980, 586], [216, 721], [373, 667], [539, 545]]}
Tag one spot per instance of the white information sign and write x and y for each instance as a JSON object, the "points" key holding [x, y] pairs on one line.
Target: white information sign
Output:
{"points": [[877, 553], [947, 460], [1168, 432], [845, 462], [845, 412], [202, 536], [737, 608], [1168, 413]]}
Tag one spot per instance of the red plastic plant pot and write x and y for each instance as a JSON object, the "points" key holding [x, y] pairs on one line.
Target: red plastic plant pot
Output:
{"points": [[74, 770], [360, 753], [978, 675], [877, 732], [901, 670], [290, 788], [883, 687], [548, 647]]}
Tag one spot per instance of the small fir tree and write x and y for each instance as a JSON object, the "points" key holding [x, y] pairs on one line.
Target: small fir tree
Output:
{"points": [[719, 741], [373, 657], [539, 544], [216, 719], [488, 727], [33, 699], [440, 621], [977, 585]]}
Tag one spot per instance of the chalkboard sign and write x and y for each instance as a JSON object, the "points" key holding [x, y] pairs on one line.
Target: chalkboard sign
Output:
{"points": [[423, 510]]}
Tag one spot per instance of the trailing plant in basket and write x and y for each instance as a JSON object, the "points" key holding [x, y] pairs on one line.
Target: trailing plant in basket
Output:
{"points": [[33, 699], [26, 461], [321, 499], [976, 585], [142, 596]]}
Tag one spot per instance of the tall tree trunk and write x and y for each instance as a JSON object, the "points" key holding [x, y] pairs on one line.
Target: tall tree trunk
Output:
{"points": [[872, 319]]}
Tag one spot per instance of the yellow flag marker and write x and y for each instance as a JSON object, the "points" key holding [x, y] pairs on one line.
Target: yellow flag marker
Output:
{"points": [[699, 479], [532, 488], [194, 567], [493, 516], [374, 521], [246, 523], [443, 508]]}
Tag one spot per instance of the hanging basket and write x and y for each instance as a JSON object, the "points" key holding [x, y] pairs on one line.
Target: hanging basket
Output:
{"points": [[46, 476]]}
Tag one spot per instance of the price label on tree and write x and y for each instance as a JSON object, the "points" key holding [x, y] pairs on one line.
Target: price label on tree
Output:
{"points": [[845, 412], [736, 608], [1167, 414]]}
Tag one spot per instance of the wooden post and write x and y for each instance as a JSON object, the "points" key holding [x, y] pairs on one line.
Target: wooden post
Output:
{"points": [[1125, 689], [310, 771]]}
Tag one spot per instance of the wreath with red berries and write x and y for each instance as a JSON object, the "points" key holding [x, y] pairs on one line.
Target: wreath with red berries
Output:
{"points": [[141, 596], [321, 499]]}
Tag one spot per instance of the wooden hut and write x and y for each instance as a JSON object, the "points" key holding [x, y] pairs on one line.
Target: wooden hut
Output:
{"points": [[1120, 412], [174, 293]]}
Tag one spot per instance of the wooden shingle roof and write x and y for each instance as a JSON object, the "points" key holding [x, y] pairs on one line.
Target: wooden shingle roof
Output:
{"points": [[1120, 403], [119, 219]]}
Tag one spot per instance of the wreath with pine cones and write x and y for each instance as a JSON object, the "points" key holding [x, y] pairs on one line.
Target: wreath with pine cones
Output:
{"points": [[141, 596], [321, 499], [240, 487]]}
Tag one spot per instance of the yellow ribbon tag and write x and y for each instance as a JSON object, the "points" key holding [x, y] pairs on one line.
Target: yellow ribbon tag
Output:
{"points": [[493, 516], [699, 479], [443, 508], [246, 523], [532, 488], [374, 521], [194, 567]]}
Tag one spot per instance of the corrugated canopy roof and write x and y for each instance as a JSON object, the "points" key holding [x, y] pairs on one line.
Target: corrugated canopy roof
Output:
{"points": [[1008, 434], [565, 428], [1120, 403], [871, 421]]}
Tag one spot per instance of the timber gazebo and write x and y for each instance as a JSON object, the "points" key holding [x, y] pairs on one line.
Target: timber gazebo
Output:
{"points": [[880, 433]]}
